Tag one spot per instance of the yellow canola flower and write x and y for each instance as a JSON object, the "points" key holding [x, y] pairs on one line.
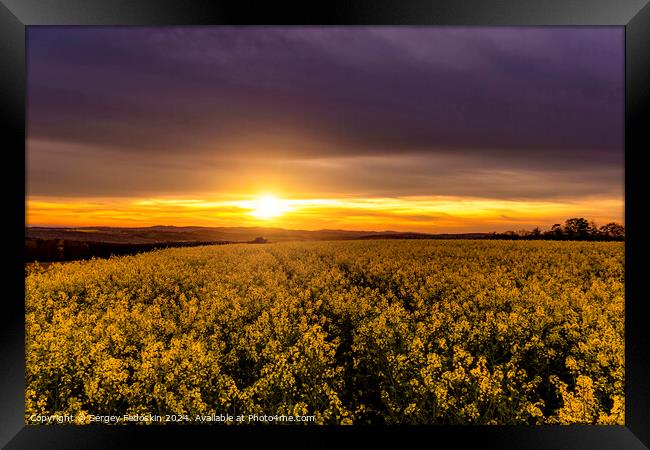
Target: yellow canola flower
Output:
{"points": [[354, 332]]}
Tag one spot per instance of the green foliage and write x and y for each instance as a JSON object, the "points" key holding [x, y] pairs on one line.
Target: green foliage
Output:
{"points": [[434, 332]]}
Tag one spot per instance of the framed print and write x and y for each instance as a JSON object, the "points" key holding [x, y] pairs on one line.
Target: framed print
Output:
{"points": [[339, 222]]}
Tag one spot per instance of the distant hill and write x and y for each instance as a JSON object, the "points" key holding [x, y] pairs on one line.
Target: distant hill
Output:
{"points": [[170, 234], [47, 244]]}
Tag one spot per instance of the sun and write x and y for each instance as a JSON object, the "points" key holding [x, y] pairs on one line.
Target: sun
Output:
{"points": [[268, 207]]}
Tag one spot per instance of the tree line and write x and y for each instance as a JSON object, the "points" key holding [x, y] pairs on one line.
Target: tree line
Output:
{"points": [[574, 229]]}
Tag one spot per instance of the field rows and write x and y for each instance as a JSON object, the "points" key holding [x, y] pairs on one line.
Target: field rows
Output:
{"points": [[435, 332]]}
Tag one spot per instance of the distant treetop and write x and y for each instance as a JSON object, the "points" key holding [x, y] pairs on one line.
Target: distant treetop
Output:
{"points": [[575, 228]]}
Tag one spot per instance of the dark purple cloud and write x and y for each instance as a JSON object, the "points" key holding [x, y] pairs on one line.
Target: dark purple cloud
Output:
{"points": [[546, 101]]}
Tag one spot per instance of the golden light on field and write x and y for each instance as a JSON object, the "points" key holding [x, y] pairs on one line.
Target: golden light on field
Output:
{"points": [[482, 273]]}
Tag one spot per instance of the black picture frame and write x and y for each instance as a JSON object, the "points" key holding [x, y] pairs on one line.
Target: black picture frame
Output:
{"points": [[634, 15]]}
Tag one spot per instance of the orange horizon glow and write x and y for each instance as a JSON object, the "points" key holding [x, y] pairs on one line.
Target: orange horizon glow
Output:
{"points": [[435, 214], [309, 128]]}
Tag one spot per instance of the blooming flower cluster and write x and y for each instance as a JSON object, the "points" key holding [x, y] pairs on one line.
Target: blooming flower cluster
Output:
{"points": [[420, 332]]}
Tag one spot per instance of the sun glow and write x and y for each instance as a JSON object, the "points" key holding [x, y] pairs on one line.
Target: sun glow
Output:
{"points": [[433, 214], [268, 207]]}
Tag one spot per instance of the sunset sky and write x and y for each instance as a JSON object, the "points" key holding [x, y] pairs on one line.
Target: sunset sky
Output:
{"points": [[433, 129]]}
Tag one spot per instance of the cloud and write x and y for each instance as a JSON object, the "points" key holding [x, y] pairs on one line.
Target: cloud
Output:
{"points": [[525, 113]]}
